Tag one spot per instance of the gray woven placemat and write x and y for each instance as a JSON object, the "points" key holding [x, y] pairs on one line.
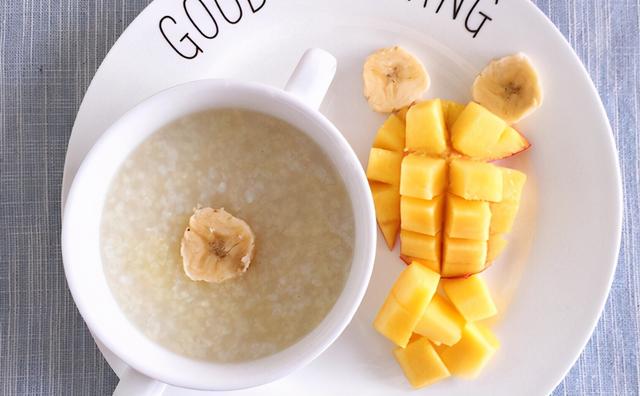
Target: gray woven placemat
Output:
{"points": [[49, 51]]}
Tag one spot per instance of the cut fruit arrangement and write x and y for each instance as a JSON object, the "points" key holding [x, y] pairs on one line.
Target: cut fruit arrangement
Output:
{"points": [[433, 183]]}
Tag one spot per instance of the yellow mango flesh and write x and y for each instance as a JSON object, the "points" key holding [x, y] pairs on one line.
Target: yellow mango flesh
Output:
{"points": [[441, 323], [384, 166], [503, 215], [513, 182], [386, 199], [511, 142], [420, 363], [395, 322], [421, 215], [471, 297], [431, 264], [420, 246], [471, 354], [438, 193], [495, 246], [475, 181], [467, 219], [476, 131], [488, 335], [452, 111], [415, 285], [406, 303], [390, 136], [423, 177], [402, 114], [462, 257], [426, 129]]}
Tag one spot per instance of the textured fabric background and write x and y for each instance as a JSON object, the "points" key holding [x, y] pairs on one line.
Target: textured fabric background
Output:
{"points": [[49, 51]]}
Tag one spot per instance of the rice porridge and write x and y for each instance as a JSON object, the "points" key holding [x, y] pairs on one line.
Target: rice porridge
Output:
{"points": [[265, 172]]}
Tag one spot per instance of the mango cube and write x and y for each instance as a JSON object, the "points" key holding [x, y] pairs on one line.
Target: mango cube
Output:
{"points": [[420, 246], [426, 128], [395, 322], [421, 215], [452, 111], [441, 323], [405, 305], [384, 166], [467, 219], [471, 354], [461, 257], [512, 184], [503, 215], [495, 245], [476, 181], [390, 136], [415, 287], [476, 131], [471, 297], [386, 199], [421, 364], [423, 177]]}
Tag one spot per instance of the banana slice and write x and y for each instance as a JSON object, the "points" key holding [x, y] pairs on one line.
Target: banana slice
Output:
{"points": [[509, 87], [393, 78], [216, 246]]}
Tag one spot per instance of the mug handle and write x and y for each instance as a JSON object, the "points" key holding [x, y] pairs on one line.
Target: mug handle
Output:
{"points": [[309, 83], [132, 383], [312, 77]]}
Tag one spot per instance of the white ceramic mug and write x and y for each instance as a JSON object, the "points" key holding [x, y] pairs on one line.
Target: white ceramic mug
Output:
{"points": [[152, 366]]}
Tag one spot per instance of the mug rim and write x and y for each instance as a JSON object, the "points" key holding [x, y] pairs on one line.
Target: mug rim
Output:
{"points": [[333, 323]]}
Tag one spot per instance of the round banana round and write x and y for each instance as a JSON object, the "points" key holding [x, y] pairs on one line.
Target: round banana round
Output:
{"points": [[393, 78], [216, 246], [509, 87]]}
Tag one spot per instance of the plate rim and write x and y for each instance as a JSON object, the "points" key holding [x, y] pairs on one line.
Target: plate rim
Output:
{"points": [[619, 192], [614, 254]]}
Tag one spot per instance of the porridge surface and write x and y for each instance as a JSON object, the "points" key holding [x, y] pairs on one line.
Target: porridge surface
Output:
{"points": [[261, 170]]}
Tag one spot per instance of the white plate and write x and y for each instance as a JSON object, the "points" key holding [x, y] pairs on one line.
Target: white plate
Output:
{"points": [[552, 282]]}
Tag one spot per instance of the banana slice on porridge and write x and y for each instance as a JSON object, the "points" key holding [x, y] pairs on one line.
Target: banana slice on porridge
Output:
{"points": [[216, 246]]}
